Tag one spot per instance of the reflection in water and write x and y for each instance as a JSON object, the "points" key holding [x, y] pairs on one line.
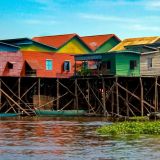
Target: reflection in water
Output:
{"points": [[71, 139]]}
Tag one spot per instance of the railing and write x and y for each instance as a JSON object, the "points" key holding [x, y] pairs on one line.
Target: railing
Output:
{"points": [[90, 72], [31, 73], [64, 75]]}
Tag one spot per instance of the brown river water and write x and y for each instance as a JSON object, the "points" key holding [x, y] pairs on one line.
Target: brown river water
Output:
{"points": [[70, 139]]}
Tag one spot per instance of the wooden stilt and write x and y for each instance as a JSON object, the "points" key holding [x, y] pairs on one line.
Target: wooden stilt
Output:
{"points": [[112, 103], [85, 98], [88, 93], [19, 92], [117, 96], [39, 92], [104, 96], [76, 95], [58, 94], [141, 99], [156, 95], [135, 96], [28, 90], [19, 99], [127, 105], [14, 102]]}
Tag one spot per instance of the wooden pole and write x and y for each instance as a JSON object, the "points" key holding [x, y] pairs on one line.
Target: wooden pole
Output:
{"points": [[112, 105], [76, 95], [142, 107], [117, 96], [39, 92], [88, 93], [145, 102], [58, 94], [14, 102], [104, 96], [156, 95], [19, 92], [127, 105]]}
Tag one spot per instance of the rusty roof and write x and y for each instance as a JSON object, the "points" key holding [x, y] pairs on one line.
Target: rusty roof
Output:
{"points": [[96, 41], [135, 41]]}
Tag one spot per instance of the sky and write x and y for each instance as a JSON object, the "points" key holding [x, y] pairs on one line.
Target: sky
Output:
{"points": [[125, 18]]}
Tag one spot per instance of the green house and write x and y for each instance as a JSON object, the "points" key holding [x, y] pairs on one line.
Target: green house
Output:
{"points": [[124, 63]]}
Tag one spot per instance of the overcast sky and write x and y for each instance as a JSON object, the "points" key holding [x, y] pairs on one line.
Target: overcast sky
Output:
{"points": [[125, 18]]}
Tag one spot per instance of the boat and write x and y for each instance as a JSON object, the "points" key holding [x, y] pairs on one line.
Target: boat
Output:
{"points": [[8, 115], [41, 112]]}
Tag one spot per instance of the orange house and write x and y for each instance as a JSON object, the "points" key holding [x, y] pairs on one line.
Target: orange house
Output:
{"points": [[47, 64]]}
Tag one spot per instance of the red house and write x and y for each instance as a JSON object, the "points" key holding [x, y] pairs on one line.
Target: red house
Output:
{"points": [[47, 64]]}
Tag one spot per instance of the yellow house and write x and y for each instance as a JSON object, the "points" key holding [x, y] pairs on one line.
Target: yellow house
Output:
{"points": [[67, 43], [26, 44], [135, 41]]}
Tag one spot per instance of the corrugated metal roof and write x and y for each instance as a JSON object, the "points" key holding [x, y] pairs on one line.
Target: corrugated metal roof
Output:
{"points": [[94, 42], [135, 41], [55, 40]]}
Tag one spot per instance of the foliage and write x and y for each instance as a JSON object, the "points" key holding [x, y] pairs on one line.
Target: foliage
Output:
{"points": [[85, 71], [139, 118], [121, 128]]}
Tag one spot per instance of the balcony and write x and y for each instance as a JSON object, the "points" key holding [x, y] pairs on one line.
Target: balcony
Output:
{"points": [[31, 73], [64, 75]]}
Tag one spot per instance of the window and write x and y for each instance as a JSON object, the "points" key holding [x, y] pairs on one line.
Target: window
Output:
{"points": [[108, 64], [85, 65], [66, 66], [149, 63], [133, 64], [49, 65], [10, 65]]}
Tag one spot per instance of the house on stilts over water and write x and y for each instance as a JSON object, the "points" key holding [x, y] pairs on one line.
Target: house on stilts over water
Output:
{"points": [[68, 75]]}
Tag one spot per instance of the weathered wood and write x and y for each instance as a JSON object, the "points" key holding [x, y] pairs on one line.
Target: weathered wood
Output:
{"points": [[104, 96], [127, 105], [28, 90], [156, 96], [10, 107], [39, 91], [117, 97], [88, 92], [58, 94], [14, 102], [19, 92], [86, 99], [76, 95], [135, 96], [146, 68], [96, 97], [67, 88], [67, 105], [54, 99], [141, 99], [130, 104], [112, 103], [13, 94]]}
